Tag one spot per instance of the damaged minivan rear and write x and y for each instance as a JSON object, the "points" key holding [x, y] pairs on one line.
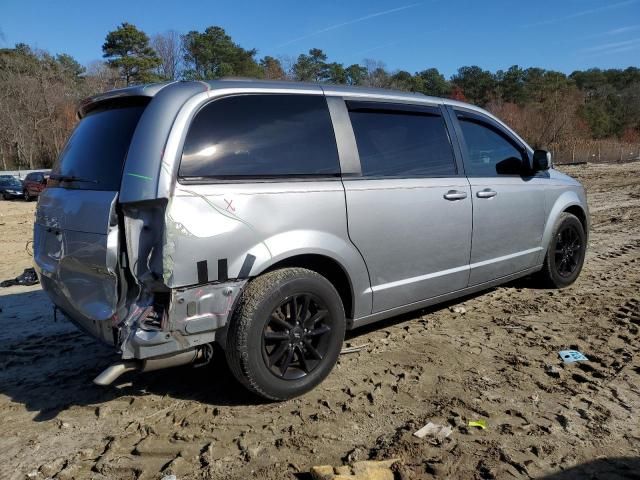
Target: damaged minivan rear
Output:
{"points": [[140, 249], [78, 232], [98, 238], [270, 217]]}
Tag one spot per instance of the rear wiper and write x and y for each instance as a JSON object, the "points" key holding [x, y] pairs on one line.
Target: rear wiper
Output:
{"points": [[71, 178]]}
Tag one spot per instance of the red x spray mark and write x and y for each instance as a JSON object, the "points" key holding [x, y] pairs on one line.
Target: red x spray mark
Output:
{"points": [[229, 205]]}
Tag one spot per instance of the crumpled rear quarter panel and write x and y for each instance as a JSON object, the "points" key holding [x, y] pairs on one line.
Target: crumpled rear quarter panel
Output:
{"points": [[265, 221]]}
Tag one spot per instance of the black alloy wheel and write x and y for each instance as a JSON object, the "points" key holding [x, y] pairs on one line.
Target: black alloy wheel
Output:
{"points": [[286, 333], [295, 338], [568, 250], [565, 252]]}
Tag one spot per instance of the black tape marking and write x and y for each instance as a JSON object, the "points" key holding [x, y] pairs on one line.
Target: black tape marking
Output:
{"points": [[247, 265], [203, 271], [223, 276]]}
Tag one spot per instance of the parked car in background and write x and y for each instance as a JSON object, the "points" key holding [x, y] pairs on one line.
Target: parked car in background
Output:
{"points": [[270, 217], [34, 184], [10, 187]]}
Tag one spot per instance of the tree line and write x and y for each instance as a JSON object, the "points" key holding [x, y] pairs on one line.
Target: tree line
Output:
{"points": [[39, 92]]}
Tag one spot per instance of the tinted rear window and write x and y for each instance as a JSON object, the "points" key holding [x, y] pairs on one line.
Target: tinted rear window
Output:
{"points": [[97, 148], [261, 136], [402, 143]]}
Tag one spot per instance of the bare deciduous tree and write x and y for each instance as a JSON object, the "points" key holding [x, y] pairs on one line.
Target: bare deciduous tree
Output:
{"points": [[168, 46], [37, 106], [287, 62], [101, 77], [377, 75]]}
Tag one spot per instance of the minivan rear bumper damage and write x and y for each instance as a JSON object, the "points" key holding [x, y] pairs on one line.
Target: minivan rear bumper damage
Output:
{"points": [[190, 323], [194, 319], [194, 316]]}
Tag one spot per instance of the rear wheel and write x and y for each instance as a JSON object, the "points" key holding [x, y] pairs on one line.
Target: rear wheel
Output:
{"points": [[565, 254], [286, 334]]}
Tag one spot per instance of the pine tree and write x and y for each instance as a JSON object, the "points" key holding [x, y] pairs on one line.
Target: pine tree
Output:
{"points": [[128, 50]]}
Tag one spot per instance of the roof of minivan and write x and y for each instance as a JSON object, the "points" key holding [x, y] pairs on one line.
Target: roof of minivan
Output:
{"points": [[150, 90], [183, 89]]}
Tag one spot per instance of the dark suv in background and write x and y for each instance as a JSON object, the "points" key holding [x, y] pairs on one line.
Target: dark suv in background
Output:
{"points": [[34, 184]]}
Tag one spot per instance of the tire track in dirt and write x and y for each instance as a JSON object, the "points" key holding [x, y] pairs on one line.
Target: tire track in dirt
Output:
{"points": [[629, 315], [631, 249]]}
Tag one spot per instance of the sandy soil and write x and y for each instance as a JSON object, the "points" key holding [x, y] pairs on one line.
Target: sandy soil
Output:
{"points": [[498, 362]]}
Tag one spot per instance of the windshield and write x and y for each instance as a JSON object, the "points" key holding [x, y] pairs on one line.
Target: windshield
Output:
{"points": [[94, 156], [10, 182]]}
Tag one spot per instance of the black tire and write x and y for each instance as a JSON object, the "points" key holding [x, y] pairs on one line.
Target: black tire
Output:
{"points": [[263, 330], [565, 254]]}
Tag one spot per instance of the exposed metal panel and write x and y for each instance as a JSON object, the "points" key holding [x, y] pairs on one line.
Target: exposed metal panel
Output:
{"points": [[203, 308]]}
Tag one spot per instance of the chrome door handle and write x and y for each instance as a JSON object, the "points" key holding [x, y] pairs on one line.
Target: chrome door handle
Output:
{"points": [[455, 195], [486, 193]]}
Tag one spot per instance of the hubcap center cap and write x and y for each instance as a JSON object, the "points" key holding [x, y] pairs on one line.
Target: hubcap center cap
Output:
{"points": [[296, 334]]}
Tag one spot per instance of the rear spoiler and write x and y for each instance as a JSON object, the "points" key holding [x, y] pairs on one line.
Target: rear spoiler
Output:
{"points": [[113, 96]]}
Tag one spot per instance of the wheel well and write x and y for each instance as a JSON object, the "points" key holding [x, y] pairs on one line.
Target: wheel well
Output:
{"points": [[582, 216], [328, 268]]}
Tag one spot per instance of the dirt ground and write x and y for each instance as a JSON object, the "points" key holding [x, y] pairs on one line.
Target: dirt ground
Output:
{"points": [[498, 362]]}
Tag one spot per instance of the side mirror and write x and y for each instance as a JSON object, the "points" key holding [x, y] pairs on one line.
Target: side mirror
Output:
{"points": [[541, 160]]}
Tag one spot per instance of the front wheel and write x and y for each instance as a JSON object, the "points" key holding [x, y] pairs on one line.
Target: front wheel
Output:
{"points": [[565, 254], [286, 333]]}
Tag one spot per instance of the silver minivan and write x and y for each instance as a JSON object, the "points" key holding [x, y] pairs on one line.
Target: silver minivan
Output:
{"points": [[270, 217]]}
